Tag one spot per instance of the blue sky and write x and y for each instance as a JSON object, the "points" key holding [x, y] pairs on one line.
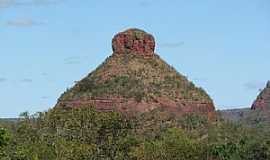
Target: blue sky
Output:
{"points": [[46, 45]]}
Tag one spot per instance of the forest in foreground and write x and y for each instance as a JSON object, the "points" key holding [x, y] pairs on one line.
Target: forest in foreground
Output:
{"points": [[86, 134]]}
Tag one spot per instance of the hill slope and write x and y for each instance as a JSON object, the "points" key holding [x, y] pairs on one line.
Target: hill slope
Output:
{"points": [[133, 78]]}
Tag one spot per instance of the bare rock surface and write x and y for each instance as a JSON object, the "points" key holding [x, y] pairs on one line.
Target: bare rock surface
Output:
{"points": [[134, 41]]}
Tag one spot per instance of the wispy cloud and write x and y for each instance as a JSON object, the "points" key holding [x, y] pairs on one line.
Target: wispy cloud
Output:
{"points": [[3, 80], [200, 79], [171, 45], [145, 3], [5, 3], [44, 74], [45, 97], [24, 22], [73, 60], [149, 3], [254, 85], [14, 3], [27, 80]]}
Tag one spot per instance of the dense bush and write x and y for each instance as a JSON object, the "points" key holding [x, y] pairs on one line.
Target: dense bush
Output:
{"points": [[3, 137], [84, 133]]}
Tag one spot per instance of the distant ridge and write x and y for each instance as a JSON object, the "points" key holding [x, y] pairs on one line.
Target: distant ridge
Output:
{"points": [[263, 99]]}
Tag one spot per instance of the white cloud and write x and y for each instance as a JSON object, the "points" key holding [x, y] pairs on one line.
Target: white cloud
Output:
{"points": [[13, 3], [171, 45], [27, 80], [23, 22], [3, 80], [72, 60], [45, 97], [6, 3]]}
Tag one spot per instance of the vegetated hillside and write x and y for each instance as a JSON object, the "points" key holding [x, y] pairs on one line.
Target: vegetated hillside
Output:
{"points": [[134, 78]]}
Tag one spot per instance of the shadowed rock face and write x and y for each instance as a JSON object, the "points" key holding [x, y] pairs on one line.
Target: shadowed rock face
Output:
{"points": [[134, 41], [263, 100], [134, 79]]}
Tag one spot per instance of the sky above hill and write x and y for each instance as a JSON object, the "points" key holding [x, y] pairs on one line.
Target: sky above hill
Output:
{"points": [[46, 45]]}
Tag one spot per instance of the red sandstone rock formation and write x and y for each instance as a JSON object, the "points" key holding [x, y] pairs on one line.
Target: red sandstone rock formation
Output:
{"points": [[188, 99], [131, 105], [263, 100], [134, 41]]}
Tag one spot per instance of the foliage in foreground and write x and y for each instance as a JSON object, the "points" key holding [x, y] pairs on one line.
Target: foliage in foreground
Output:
{"points": [[84, 133]]}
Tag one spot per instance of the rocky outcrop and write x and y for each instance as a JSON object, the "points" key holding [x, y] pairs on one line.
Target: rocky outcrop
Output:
{"points": [[135, 79], [134, 41], [263, 100], [132, 105]]}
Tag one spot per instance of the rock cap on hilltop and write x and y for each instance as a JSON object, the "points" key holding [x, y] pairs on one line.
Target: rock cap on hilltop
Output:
{"points": [[134, 41]]}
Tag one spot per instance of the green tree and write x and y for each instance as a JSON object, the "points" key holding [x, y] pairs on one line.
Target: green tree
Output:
{"points": [[4, 137], [4, 140], [174, 144]]}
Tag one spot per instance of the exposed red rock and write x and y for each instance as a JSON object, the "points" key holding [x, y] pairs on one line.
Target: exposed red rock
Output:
{"points": [[263, 100], [134, 41], [132, 106]]}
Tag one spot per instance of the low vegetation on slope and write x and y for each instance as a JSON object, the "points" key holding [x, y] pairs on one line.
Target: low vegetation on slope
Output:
{"points": [[84, 133], [133, 76]]}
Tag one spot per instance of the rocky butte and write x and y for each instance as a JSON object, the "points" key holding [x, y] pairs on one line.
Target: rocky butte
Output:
{"points": [[263, 99], [134, 41], [135, 79]]}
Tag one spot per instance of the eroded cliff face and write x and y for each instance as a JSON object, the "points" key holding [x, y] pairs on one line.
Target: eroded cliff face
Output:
{"points": [[135, 79], [263, 99], [132, 106]]}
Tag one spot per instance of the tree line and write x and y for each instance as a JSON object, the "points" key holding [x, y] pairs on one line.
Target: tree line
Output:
{"points": [[86, 134]]}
